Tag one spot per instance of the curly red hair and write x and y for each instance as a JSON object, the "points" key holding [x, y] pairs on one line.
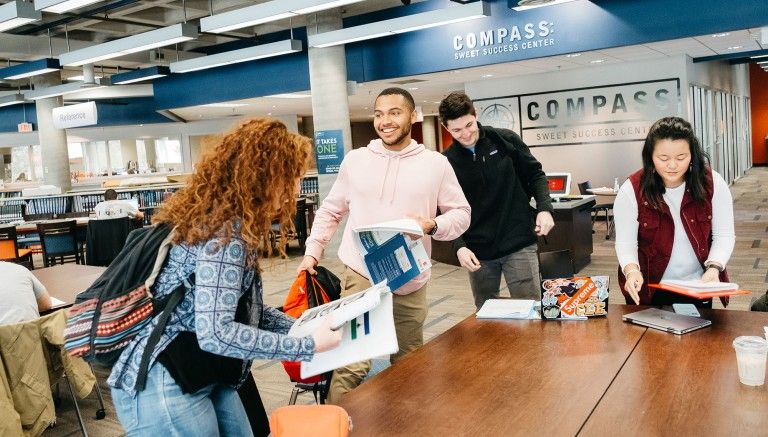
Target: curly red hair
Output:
{"points": [[251, 176]]}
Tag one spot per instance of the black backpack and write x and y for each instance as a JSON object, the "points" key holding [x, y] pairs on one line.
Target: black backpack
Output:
{"points": [[108, 314]]}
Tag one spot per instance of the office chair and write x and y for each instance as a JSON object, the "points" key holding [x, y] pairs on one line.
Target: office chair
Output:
{"points": [[607, 208], [59, 240], [9, 248], [105, 239]]}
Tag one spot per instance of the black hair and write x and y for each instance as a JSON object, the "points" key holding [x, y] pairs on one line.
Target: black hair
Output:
{"points": [[456, 105], [110, 194], [673, 128], [401, 92]]}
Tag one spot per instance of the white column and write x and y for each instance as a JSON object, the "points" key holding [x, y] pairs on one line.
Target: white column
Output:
{"points": [[53, 141], [330, 106]]}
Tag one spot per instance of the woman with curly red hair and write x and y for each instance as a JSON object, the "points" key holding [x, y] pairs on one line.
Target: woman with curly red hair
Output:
{"points": [[221, 221]]}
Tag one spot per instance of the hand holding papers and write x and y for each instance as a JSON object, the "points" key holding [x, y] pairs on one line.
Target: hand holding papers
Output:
{"points": [[507, 309], [391, 256], [368, 329]]}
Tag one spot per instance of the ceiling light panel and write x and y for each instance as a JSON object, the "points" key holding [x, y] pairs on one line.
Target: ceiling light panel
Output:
{"points": [[58, 90], [29, 69], [17, 13], [266, 12], [141, 75], [404, 24], [131, 44], [61, 6], [237, 56]]}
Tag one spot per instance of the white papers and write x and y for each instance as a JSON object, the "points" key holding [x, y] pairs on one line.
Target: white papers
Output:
{"points": [[342, 310], [56, 302], [699, 286], [389, 254], [507, 309], [367, 324]]}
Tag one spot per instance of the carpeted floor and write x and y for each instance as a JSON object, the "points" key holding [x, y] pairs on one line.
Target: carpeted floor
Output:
{"points": [[450, 299]]}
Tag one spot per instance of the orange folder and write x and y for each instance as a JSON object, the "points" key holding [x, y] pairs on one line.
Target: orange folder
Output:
{"points": [[697, 294]]}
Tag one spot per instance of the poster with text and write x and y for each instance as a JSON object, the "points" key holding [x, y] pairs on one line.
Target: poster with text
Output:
{"points": [[329, 150]]}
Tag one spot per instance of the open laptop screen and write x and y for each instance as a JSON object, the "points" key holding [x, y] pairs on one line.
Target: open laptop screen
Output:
{"points": [[559, 184]]}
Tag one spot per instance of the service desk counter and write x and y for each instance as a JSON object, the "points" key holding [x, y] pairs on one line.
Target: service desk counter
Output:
{"points": [[572, 231]]}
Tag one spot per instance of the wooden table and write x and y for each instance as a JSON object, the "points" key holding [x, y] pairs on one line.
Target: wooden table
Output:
{"points": [[31, 227], [65, 281], [600, 377]]}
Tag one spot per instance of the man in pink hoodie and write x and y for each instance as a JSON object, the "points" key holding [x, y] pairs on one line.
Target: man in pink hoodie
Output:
{"points": [[392, 178]]}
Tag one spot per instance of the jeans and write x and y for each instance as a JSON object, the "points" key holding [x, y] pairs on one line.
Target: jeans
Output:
{"points": [[521, 272], [161, 409]]}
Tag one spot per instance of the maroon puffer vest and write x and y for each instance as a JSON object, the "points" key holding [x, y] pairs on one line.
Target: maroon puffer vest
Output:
{"points": [[656, 233]]}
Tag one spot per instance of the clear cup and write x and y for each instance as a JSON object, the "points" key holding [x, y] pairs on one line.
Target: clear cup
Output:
{"points": [[751, 355]]}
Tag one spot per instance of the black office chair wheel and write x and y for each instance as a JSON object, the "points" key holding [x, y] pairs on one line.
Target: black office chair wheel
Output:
{"points": [[100, 414]]}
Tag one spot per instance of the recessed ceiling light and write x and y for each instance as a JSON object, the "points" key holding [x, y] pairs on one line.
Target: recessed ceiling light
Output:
{"points": [[487, 75], [413, 88], [269, 113], [720, 35], [734, 47], [573, 55], [597, 61]]}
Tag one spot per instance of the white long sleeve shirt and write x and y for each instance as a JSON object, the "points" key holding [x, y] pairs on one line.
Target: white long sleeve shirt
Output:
{"points": [[683, 263]]}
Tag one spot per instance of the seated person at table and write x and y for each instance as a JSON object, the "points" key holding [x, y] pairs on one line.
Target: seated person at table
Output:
{"points": [[22, 295], [674, 217], [221, 219], [112, 208]]}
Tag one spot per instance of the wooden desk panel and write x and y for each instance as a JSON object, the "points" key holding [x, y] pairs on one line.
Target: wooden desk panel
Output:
{"points": [[65, 281], [685, 385], [493, 377]]}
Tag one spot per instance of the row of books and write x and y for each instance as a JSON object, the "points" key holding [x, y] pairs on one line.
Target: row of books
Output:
{"points": [[309, 185]]}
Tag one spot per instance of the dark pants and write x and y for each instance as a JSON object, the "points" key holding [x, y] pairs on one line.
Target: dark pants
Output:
{"points": [[761, 304]]}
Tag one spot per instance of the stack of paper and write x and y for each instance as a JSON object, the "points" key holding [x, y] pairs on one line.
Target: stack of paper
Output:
{"points": [[507, 309], [701, 287]]}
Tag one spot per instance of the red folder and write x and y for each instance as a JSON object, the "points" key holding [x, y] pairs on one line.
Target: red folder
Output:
{"points": [[698, 294]]}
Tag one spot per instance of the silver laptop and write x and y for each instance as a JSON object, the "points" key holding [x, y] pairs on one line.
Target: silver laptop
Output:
{"points": [[666, 321]]}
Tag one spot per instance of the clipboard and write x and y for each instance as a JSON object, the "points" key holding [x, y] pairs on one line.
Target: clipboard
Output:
{"points": [[701, 295]]}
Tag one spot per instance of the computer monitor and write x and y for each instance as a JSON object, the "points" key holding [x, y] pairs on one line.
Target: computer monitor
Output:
{"points": [[559, 184]]}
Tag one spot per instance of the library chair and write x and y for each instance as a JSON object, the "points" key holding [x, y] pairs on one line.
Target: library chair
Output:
{"points": [[606, 208], [105, 239], [59, 241], [9, 248], [299, 223], [556, 264], [34, 363]]}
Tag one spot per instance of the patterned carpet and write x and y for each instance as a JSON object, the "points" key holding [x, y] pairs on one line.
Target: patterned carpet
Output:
{"points": [[450, 299]]}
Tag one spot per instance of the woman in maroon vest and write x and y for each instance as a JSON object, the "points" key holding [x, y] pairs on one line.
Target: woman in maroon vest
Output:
{"points": [[674, 217]]}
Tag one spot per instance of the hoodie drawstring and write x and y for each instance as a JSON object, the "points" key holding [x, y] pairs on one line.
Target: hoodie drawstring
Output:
{"points": [[384, 182]]}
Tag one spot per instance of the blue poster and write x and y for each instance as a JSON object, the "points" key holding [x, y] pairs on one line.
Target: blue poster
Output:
{"points": [[329, 150]]}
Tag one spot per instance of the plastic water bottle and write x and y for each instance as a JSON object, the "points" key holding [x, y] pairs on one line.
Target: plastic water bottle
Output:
{"points": [[615, 185]]}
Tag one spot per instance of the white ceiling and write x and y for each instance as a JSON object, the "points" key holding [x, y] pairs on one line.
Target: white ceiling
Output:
{"points": [[431, 88]]}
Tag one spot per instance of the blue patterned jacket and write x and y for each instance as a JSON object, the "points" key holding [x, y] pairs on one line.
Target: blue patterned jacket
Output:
{"points": [[221, 277]]}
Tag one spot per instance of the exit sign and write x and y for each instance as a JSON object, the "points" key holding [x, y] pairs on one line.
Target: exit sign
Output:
{"points": [[25, 127]]}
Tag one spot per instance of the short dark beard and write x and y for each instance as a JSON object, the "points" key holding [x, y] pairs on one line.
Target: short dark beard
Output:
{"points": [[406, 132]]}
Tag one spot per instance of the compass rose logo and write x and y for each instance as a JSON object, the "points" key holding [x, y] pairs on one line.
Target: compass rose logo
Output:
{"points": [[497, 115]]}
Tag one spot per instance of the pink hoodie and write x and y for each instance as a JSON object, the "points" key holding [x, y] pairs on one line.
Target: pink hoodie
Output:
{"points": [[377, 185]]}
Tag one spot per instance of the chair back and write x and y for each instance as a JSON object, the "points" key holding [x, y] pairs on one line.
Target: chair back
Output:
{"points": [[58, 239], [300, 221], [8, 243], [105, 239], [584, 186], [556, 264]]}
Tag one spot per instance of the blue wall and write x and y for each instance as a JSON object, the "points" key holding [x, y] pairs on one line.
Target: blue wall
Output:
{"points": [[556, 30], [11, 116]]}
